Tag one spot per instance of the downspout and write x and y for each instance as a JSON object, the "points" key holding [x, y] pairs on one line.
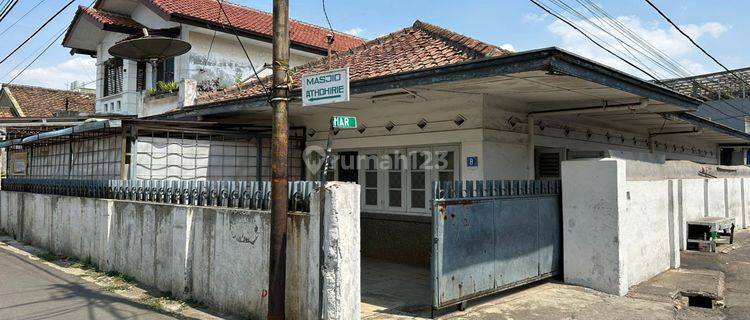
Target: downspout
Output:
{"points": [[530, 163]]}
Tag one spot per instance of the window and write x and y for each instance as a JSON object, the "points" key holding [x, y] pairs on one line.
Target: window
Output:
{"points": [[547, 162], [113, 76], [400, 179], [141, 76], [164, 71]]}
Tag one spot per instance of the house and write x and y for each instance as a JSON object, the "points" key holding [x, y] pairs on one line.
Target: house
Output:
{"points": [[217, 60], [22, 101], [433, 106], [26, 110], [727, 101]]}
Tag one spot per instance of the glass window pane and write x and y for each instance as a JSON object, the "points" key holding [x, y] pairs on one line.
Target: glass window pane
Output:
{"points": [[371, 197], [417, 180], [445, 176], [372, 161], [394, 179], [371, 179], [418, 160], [394, 198], [417, 199]]}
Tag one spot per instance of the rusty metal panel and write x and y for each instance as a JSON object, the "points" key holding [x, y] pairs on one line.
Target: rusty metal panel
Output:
{"points": [[490, 236], [465, 257], [516, 232], [550, 235]]}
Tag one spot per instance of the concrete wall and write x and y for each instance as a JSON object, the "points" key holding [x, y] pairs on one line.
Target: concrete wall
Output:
{"points": [[218, 256], [619, 232]]}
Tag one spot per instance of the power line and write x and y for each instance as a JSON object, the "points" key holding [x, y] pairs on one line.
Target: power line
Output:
{"points": [[7, 9], [693, 41], [38, 56], [559, 17], [21, 18], [590, 38], [260, 82], [37, 31]]}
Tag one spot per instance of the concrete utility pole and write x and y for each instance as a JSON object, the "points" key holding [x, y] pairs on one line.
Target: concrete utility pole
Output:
{"points": [[279, 153]]}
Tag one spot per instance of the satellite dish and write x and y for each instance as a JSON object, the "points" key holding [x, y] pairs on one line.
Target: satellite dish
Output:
{"points": [[149, 48]]}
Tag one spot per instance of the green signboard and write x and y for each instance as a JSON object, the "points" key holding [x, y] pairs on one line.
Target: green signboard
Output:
{"points": [[344, 122]]}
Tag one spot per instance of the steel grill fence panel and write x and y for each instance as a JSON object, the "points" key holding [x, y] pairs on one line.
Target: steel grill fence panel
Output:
{"points": [[494, 188], [230, 194]]}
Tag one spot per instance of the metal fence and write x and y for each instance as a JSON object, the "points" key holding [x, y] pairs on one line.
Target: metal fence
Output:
{"points": [[494, 188], [232, 194]]}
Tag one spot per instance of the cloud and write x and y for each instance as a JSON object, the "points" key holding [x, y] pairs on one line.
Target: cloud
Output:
{"points": [[667, 39], [354, 31], [508, 47], [59, 75], [534, 17]]}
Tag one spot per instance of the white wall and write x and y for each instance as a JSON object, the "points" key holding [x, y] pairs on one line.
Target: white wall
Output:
{"points": [[217, 256], [592, 247], [645, 230], [620, 232]]}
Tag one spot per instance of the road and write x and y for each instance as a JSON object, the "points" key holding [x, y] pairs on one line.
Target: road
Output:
{"points": [[31, 290]]}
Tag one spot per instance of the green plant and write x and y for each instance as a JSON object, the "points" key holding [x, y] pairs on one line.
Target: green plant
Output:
{"points": [[152, 92], [167, 87]]}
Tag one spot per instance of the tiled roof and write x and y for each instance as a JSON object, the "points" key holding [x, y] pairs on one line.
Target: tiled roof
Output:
{"points": [[421, 46], [110, 19], [44, 102], [253, 21]]}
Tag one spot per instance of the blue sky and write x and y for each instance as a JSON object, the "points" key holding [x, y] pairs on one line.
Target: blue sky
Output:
{"points": [[516, 24]]}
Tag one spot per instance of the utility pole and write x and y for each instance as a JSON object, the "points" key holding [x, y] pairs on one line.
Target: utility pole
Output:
{"points": [[279, 153]]}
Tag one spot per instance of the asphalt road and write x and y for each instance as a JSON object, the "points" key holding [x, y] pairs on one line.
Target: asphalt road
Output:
{"points": [[31, 290]]}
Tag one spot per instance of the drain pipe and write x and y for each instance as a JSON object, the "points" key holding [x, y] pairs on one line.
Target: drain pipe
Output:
{"points": [[599, 109], [531, 155], [652, 142]]}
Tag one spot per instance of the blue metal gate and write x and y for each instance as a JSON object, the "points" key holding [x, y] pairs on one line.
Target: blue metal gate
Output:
{"points": [[490, 236]]}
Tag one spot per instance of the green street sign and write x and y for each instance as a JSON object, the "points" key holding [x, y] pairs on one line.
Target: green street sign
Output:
{"points": [[344, 122]]}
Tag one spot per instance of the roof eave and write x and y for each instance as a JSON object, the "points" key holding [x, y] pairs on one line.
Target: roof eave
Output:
{"points": [[706, 123], [548, 59]]}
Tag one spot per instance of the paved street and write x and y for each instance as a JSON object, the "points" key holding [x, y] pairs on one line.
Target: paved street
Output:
{"points": [[31, 290]]}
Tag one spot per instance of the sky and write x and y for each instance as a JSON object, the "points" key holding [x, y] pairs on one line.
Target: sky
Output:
{"points": [[513, 24]]}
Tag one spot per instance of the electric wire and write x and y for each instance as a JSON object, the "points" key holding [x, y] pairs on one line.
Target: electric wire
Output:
{"points": [[21, 18], [37, 57], [8, 8], [37, 31], [693, 41], [260, 82], [671, 67]]}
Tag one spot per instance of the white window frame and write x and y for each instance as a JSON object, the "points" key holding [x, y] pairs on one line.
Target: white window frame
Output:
{"points": [[431, 175]]}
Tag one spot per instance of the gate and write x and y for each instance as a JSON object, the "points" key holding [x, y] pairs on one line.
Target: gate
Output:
{"points": [[490, 236]]}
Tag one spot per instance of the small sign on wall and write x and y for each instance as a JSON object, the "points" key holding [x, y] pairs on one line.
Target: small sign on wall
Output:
{"points": [[472, 162], [327, 87]]}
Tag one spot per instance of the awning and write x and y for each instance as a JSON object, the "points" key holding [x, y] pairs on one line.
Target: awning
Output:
{"points": [[86, 127]]}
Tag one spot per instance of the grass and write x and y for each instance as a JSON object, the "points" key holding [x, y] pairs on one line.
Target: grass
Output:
{"points": [[120, 276], [114, 287], [49, 256]]}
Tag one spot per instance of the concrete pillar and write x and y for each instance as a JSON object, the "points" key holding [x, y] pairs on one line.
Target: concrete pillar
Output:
{"points": [[341, 271], [592, 253]]}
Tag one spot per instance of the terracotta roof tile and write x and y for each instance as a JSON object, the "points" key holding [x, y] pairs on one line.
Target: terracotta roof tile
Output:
{"points": [[254, 21], [110, 19], [419, 47], [44, 102]]}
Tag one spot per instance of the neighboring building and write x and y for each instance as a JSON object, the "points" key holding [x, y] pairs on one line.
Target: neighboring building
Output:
{"points": [[26, 110], [433, 106], [22, 101], [217, 60], [727, 101]]}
